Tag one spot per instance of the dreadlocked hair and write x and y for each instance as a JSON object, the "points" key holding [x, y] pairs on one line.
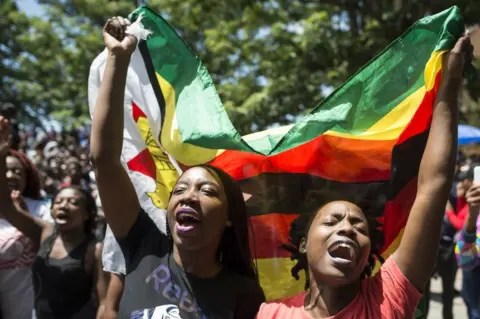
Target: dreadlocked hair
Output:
{"points": [[298, 231], [33, 185], [371, 206], [234, 247], [376, 240]]}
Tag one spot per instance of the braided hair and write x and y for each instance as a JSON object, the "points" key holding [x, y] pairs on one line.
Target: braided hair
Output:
{"points": [[298, 230], [233, 250], [373, 210]]}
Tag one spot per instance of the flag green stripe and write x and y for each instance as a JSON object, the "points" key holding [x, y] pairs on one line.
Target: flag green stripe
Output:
{"points": [[353, 108], [198, 108]]}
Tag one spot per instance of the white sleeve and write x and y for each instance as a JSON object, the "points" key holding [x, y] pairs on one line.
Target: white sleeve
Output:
{"points": [[45, 212], [112, 256]]}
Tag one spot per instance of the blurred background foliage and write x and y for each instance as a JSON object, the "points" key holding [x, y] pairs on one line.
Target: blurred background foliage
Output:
{"points": [[272, 61]]}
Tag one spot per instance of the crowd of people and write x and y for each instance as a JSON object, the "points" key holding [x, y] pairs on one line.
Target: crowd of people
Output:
{"points": [[54, 195], [52, 224]]}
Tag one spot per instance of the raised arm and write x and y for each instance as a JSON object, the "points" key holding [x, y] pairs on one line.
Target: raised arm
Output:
{"points": [[119, 199], [418, 249], [12, 207]]}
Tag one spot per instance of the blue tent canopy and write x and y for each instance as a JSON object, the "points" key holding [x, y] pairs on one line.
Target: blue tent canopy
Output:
{"points": [[468, 134]]}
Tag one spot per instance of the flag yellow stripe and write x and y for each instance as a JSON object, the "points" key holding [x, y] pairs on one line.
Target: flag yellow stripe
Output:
{"points": [[276, 280], [389, 251], [391, 125], [170, 137], [388, 128]]}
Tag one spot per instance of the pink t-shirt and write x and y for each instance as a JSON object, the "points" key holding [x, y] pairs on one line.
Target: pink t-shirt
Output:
{"points": [[386, 295]]}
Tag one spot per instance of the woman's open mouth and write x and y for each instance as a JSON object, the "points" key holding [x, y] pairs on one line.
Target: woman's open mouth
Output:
{"points": [[186, 220], [61, 218], [343, 253]]}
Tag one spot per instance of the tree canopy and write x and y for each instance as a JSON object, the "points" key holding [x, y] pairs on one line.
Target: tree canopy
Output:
{"points": [[272, 60]]}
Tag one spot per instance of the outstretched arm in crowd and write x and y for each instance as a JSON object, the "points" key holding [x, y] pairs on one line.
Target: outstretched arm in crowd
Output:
{"points": [[100, 280], [119, 199], [418, 249], [12, 206], [114, 294]]}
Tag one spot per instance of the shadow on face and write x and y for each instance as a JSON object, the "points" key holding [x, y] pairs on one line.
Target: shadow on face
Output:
{"points": [[16, 175], [73, 170], [338, 244], [54, 167], [197, 212], [69, 210]]}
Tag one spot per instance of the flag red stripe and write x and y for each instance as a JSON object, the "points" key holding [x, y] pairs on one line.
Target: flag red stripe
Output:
{"points": [[271, 231], [396, 213], [422, 118], [330, 157]]}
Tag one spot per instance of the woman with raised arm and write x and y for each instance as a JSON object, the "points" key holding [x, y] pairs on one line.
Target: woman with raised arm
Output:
{"points": [[202, 267], [17, 252], [341, 243], [66, 269]]}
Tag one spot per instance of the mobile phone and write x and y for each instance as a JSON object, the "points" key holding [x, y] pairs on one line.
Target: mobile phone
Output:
{"points": [[476, 174]]}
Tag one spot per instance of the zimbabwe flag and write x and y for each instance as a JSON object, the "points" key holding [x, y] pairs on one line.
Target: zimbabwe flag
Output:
{"points": [[365, 140]]}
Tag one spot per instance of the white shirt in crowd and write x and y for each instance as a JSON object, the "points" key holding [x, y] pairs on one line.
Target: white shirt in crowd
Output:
{"points": [[16, 258]]}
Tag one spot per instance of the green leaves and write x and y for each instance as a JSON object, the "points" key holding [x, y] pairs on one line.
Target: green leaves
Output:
{"points": [[271, 60]]}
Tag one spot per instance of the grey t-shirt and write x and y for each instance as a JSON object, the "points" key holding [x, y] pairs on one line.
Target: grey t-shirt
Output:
{"points": [[112, 256], [156, 287]]}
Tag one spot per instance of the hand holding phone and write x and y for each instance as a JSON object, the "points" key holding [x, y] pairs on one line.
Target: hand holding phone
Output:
{"points": [[476, 175]]}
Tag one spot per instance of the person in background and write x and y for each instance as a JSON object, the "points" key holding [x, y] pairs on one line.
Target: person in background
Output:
{"points": [[71, 141], [23, 176], [445, 267], [453, 192], [455, 215], [67, 268], [51, 150], [17, 252], [467, 251], [8, 111], [111, 303], [73, 174]]}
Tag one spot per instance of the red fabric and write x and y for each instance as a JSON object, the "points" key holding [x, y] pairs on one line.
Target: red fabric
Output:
{"points": [[458, 219], [461, 203]]}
